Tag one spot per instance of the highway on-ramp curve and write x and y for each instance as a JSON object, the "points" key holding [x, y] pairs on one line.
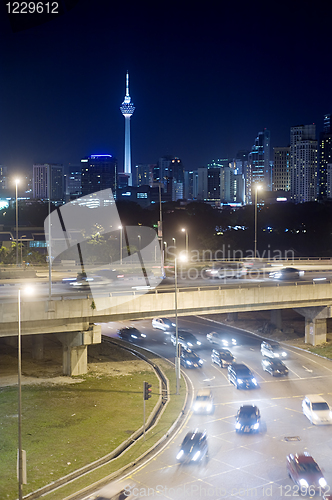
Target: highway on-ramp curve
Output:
{"points": [[239, 465]]}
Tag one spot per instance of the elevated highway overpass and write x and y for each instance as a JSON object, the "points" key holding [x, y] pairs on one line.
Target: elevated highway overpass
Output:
{"points": [[75, 320]]}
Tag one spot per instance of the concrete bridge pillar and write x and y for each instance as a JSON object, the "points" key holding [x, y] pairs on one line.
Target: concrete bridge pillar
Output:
{"points": [[37, 347], [315, 331], [75, 349], [276, 318], [315, 323]]}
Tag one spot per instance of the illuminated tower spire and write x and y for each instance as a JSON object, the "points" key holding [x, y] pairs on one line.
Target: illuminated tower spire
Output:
{"points": [[127, 108]]}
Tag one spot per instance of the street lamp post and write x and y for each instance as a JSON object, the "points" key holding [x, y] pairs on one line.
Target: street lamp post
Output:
{"points": [[16, 204], [184, 230], [21, 478], [174, 242], [177, 359], [165, 251], [257, 188], [139, 242], [120, 227]]}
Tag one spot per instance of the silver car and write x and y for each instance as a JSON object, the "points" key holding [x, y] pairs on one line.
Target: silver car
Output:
{"points": [[316, 409]]}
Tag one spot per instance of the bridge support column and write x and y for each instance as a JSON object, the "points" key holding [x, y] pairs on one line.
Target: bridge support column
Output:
{"points": [[37, 342], [315, 323], [75, 349], [232, 316], [276, 318]]}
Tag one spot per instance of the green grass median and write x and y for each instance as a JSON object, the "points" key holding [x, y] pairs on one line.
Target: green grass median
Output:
{"points": [[67, 426]]}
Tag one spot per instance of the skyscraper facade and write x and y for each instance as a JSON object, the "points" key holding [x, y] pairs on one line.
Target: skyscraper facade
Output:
{"points": [[99, 172], [303, 163], [48, 182], [281, 169], [325, 157], [127, 109], [259, 170]]}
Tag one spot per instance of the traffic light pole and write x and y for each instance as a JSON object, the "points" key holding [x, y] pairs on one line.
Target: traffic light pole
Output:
{"points": [[143, 417]]}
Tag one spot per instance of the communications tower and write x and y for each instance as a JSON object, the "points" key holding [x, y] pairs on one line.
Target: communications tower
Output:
{"points": [[127, 108]]}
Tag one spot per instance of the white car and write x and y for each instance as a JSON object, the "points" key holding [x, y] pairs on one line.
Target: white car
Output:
{"points": [[273, 350], [164, 324], [316, 409], [221, 339], [203, 402]]}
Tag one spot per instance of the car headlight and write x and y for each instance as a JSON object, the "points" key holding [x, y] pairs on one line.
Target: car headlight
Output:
{"points": [[237, 425], [198, 342], [143, 335], [239, 380], [173, 324], [189, 343], [322, 482], [255, 426], [233, 341], [179, 455], [188, 362], [196, 456], [196, 407], [209, 407], [304, 483], [254, 381], [134, 336], [276, 355], [200, 361], [284, 354]]}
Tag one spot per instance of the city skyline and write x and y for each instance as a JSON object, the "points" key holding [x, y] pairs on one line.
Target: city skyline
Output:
{"points": [[201, 95]]}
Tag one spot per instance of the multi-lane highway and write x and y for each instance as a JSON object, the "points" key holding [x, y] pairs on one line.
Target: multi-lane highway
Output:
{"points": [[239, 466]]}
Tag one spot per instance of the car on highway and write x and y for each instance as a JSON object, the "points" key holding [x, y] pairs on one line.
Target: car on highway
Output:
{"points": [[273, 350], [316, 409], [185, 339], [164, 324], [225, 271], [222, 357], [221, 339], [247, 419], [189, 359], [194, 447], [119, 490], [241, 376], [131, 334], [305, 472], [87, 282], [203, 402], [274, 366], [286, 273]]}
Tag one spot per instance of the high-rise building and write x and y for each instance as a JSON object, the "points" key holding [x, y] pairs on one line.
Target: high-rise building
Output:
{"points": [[127, 109], [3, 177], [73, 181], [281, 169], [259, 163], [170, 173], [99, 172], [48, 182], [303, 163], [144, 174], [191, 184], [325, 157]]}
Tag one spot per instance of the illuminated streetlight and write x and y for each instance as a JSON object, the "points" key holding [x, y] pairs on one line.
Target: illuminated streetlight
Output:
{"points": [[184, 230], [17, 181], [183, 258], [139, 242], [257, 188], [21, 479], [165, 251], [174, 242], [120, 227]]}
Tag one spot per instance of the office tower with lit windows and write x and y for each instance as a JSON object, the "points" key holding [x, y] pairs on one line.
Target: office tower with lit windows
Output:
{"points": [[191, 184], [99, 172], [281, 169], [127, 109], [259, 170], [48, 182], [144, 174], [325, 157], [303, 163]]}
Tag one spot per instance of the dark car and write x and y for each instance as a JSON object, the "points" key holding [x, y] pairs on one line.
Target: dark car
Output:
{"points": [[131, 334], [221, 339], [189, 359], [185, 339], [275, 367], [286, 273], [247, 419], [194, 447], [222, 357], [305, 472], [240, 375]]}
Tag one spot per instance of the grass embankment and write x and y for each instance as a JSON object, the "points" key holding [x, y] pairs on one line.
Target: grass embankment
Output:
{"points": [[323, 350], [65, 427]]}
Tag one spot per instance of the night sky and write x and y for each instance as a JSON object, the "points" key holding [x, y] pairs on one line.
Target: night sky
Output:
{"points": [[205, 79]]}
